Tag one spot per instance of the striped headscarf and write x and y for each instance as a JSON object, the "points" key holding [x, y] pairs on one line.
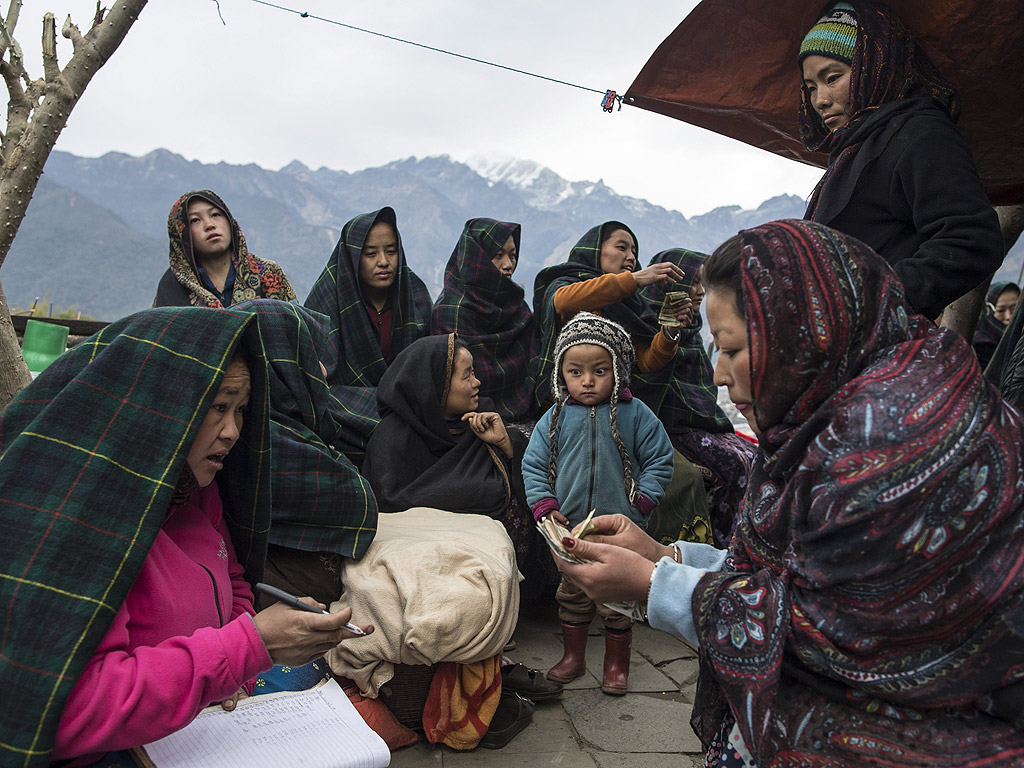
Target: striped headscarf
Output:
{"points": [[488, 312], [90, 455], [353, 355], [874, 591]]}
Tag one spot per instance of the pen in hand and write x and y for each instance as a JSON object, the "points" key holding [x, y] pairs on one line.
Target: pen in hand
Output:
{"points": [[294, 602]]}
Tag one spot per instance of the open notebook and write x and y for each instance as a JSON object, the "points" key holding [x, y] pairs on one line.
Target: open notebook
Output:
{"points": [[316, 728]]}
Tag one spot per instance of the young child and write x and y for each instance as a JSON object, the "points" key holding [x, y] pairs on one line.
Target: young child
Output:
{"points": [[596, 448]]}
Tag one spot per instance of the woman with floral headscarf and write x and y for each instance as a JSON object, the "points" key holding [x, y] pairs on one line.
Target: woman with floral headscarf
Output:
{"points": [[900, 177], [870, 609], [210, 263], [486, 309]]}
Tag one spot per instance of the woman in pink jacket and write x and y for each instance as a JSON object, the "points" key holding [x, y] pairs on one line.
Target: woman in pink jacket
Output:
{"points": [[125, 567]]}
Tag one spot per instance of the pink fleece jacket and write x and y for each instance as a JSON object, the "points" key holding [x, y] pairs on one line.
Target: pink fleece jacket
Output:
{"points": [[183, 639]]}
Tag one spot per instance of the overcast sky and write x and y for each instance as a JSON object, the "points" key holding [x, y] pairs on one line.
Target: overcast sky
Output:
{"points": [[269, 87]]}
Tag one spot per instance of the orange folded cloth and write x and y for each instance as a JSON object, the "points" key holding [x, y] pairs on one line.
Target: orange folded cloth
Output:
{"points": [[461, 702]]}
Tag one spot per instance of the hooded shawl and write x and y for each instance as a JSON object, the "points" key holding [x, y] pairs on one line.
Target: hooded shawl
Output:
{"points": [[181, 284], [414, 459], [584, 263], [320, 501], [488, 312], [990, 330], [353, 355], [683, 393], [90, 454], [873, 602]]}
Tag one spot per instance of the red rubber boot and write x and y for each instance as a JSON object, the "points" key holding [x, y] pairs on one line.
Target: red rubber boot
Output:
{"points": [[574, 659], [616, 662]]}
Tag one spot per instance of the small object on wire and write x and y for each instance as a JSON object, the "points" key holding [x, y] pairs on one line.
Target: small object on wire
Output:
{"points": [[608, 102]]}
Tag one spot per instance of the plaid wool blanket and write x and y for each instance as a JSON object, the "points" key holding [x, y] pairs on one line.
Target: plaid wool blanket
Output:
{"points": [[90, 454], [488, 312]]}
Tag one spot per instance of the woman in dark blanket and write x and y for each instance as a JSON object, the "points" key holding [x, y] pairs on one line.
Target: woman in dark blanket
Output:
{"points": [[900, 178], [684, 396], [377, 307], [870, 609], [1000, 304], [323, 510], [439, 444], [487, 310], [134, 509], [210, 263]]}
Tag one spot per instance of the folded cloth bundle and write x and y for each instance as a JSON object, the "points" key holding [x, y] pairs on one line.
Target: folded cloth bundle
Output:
{"points": [[437, 586]]}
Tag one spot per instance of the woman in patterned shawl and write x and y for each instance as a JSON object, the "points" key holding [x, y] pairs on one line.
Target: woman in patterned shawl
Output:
{"points": [[135, 508], [323, 510], [482, 304], [205, 239], [377, 307], [685, 398], [871, 610]]}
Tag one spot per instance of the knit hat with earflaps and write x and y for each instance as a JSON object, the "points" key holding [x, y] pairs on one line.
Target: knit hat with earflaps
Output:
{"points": [[834, 35], [588, 328]]}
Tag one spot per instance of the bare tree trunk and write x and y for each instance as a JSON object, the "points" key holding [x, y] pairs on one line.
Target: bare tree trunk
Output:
{"points": [[962, 315], [37, 112], [13, 378]]}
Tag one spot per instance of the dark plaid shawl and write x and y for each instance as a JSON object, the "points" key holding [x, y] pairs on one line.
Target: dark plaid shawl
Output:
{"points": [[254, 277], [353, 355], [320, 502], [891, 80], [90, 454], [683, 393], [413, 459], [874, 597], [488, 312], [584, 263]]}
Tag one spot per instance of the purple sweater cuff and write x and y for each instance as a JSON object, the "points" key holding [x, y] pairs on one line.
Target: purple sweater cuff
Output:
{"points": [[643, 504], [545, 505]]}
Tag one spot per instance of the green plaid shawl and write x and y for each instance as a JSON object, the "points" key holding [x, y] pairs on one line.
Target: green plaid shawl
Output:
{"points": [[488, 312], [683, 393], [320, 502], [353, 355], [90, 454], [584, 263]]}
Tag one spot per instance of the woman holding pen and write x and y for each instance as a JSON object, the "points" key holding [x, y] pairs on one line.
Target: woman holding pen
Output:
{"points": [[125, 566]]}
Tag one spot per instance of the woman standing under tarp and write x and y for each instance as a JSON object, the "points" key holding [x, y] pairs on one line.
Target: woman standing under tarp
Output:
{"points": [[486, 309], [900, 177]]}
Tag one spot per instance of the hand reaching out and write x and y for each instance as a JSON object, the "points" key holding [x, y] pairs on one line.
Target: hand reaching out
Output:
{"points": [[662, 272]]}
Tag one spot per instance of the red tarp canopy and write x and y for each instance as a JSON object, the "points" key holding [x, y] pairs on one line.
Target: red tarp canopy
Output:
{"points": [[730, 67]]}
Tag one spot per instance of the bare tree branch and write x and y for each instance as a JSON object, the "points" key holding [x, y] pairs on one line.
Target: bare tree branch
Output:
{"points": [[98, 16], [15, 59], [10, 22], [72, 33], [51, 70]]}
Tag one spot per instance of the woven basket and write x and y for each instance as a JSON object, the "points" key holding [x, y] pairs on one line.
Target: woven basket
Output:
{"points": [[405, 694]]}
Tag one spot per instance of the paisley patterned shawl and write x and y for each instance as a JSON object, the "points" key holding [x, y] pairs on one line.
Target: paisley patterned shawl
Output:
{"points": [[488, 312], [320, 501], [90, 454], [584, 263], [353, 355], [683, 393], [877, 574], [891, 78], [254, 277]]}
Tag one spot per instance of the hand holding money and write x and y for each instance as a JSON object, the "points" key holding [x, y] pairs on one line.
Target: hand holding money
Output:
{"points": [[553, 533], [676, 310]]}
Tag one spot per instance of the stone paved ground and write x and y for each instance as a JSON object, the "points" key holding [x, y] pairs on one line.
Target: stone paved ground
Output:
{"points": [[646, 728]]}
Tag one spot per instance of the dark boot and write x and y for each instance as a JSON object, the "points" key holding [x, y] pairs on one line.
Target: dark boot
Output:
{"points": [[616, 661], [574, 660]]}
